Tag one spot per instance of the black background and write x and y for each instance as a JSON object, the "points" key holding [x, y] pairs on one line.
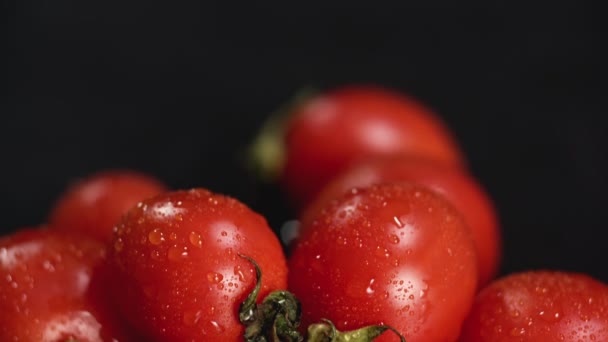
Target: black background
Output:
{"points": [[177, 89]]}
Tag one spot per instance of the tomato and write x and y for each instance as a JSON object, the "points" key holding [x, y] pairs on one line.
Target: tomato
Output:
{"points": [[454, 184], [178, 273], [95, 204], [395, 254], [330, 132], [48, 289], [540, 306]]}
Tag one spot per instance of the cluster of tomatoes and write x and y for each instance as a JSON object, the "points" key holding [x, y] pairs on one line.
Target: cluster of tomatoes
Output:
{"points": [[393, 233]]}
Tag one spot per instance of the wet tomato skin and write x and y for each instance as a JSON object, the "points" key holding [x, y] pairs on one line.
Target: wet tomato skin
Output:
{"points": [[178, 274], [338, 128], [454, 184], [539, 306], [49, 290], [396, 254], [96, 203]]}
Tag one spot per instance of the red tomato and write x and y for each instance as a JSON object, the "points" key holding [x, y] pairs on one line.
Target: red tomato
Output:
{"points": [[179, 276], [539, 306], [95, 204], [48, 291], [454, 184], [332, 131], [395, 254]]}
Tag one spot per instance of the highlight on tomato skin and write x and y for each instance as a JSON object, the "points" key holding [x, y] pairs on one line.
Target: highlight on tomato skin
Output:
{"points": [[94, 204], [49, 289], [397, 254], [542, 305], [331, 131], [177, 271], [455, 184]]}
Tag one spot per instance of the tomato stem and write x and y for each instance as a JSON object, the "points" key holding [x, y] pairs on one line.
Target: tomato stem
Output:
{"points": [[266, 154], [275, 319], [278, 317], [326, 331]]}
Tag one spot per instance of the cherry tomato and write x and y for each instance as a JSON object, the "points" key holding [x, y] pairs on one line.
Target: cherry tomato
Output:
{"points": [[396, 254], [330, 132], [539, 306], [95, 204], [48, 291], [454, 184], [179, 276]]}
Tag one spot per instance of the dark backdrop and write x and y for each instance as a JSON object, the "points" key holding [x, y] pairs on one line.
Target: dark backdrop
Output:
{"points": [[178, 88]]}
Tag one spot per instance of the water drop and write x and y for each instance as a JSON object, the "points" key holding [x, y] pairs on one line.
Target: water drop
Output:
{"points": [[190, 318], [518, 332], [118, 245], [176, 253], [156, 237], [214, 277], [155, 255], [218, 328], [370, 290], [239, 273], [397, 222], [195, 239]]}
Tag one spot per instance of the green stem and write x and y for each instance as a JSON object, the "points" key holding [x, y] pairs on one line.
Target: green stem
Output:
{"points": [[266, 154], [277, 319], [326, 332]]}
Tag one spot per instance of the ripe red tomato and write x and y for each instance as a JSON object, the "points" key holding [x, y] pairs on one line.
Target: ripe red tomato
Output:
{"points": [[335, 129], [539, 306], [454, 184], [395, 254], [48, 291], [95, 204], [178, 273]]}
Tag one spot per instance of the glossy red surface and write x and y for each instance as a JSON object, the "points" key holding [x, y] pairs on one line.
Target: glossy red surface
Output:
{"points": [[48, 291], [540, 306], [178, 274], [332, 131], [393, 254], [452, 183], [95, 204]]}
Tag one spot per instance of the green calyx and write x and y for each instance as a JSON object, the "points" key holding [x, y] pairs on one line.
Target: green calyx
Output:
{"points": [[278, 317]]}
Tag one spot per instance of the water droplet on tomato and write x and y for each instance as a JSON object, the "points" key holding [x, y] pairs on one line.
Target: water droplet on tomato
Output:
{"points": [[118, 245], [398, 222], [176, 253], [216, 326], [239, 273], [214, 277], [190, 318], [518, 332], [155, 255], [370, 290], [195, 239], [156, 237]]}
